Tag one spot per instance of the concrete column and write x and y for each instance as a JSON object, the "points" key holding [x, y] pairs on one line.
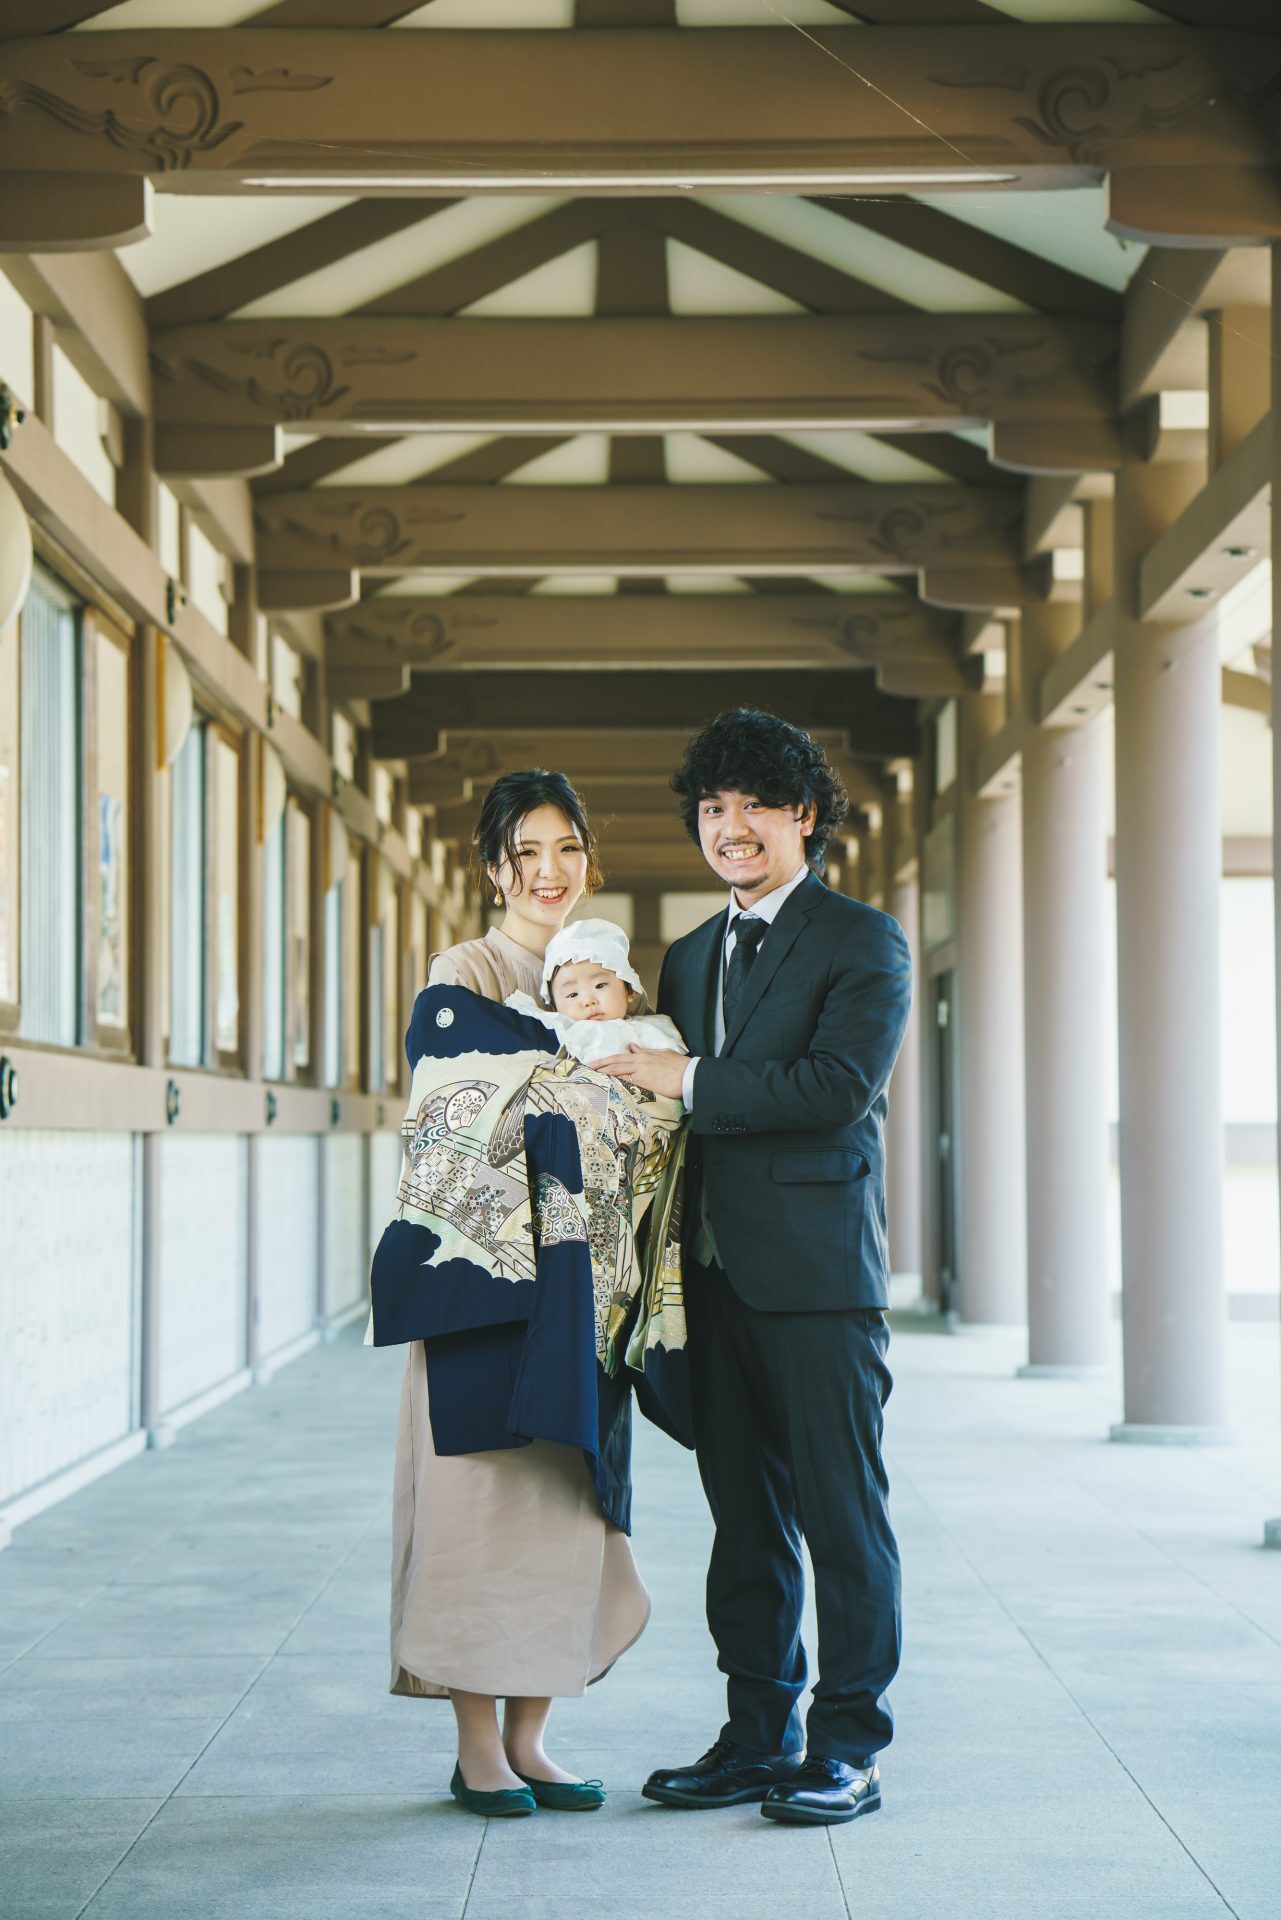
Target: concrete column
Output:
{"points": [[1064, 916], [1168, 869], [904, 1153], [990, 1189]]}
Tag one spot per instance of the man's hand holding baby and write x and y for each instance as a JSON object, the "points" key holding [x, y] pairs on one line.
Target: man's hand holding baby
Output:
{"points": [[647, 1067]]}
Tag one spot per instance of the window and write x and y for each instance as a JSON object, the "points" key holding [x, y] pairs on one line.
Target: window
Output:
{"points": [[49, 856], [79, 417], [107, 675], [187, 919], [343, 745], [17, 343], [333, 932], [207, 578], [286, 676], [298, 854], [226, 893], [274, 962], [351, 970], [169, 531], [945, 748], [389, 920]]}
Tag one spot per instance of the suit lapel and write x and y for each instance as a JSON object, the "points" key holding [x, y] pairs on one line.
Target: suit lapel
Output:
{"points": [[774, 949], [703, 975]]}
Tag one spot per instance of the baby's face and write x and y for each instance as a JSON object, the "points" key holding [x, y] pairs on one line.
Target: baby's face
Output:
{"points": [[586, 991]]}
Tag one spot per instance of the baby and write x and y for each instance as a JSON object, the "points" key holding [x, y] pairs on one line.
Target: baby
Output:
{"points": [[594, 1001]]}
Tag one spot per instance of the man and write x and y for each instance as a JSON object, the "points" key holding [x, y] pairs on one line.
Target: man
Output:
{"points": [[793, 1003]]}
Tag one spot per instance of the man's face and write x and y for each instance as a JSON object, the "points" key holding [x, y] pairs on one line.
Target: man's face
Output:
{"points": [[751, 847], [586, 991]]}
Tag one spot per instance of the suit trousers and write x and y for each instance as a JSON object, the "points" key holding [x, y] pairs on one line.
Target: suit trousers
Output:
{"points": [[787, 1425]]}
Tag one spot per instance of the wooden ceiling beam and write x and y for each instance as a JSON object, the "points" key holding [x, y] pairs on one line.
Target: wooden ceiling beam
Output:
{"points": [[75, 213], [637, 111], [639, 761], [639, 530], [1197, 206], [1039, 283], [625, 717], [187, 452], [278, 263], [757, 373], [470, 632]]}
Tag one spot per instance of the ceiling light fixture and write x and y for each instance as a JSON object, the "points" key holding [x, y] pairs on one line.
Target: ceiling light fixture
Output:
{"points": [[803, 180], [762, 423]]}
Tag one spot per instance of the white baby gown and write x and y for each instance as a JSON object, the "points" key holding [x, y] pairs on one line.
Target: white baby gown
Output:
{"points": [[589, 1040]]}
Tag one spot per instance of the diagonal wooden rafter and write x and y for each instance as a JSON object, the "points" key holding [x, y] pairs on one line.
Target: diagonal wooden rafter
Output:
{"points": [[923, 13], [333, 13], [24, 17], [1038, 283], [265, 269], [1242, 15], [306, 465], [483, 270], [787, 270]]}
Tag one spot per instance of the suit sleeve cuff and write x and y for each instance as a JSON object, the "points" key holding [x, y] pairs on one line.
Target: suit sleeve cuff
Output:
{"points": [[687, 1086]]}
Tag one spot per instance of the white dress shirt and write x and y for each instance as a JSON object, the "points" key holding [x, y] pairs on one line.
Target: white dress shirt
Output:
{"points": [[767, 909]]}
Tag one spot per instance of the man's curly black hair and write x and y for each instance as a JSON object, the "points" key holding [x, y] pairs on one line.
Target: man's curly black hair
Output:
{"points": [[747, 751]]}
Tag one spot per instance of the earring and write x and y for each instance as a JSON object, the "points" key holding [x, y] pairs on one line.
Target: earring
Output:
{"points": [[498, 898]]}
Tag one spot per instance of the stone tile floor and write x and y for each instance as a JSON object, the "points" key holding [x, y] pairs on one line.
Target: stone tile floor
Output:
{"points": [[193, 1716]]}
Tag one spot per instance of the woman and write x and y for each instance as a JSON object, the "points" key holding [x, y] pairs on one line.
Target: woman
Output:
{"points": [[507, 1582]]}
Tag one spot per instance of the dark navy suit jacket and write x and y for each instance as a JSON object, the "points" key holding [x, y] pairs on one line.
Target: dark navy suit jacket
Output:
{"points": [[788, 1121]]}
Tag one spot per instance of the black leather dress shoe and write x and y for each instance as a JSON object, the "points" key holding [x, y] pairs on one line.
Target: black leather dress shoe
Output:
{"points": [[824, 1792], [726, 1776]]}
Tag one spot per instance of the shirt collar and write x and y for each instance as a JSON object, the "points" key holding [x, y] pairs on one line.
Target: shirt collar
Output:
{"points": [[768, 906]]}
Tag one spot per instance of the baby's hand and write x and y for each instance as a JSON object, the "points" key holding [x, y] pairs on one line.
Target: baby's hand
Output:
{"points": [[652, 1068]]}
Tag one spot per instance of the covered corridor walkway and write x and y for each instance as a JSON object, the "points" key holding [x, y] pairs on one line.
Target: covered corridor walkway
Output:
{"points": [[195, 1719]]}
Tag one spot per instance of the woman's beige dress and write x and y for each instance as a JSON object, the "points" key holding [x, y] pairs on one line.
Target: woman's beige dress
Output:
{"points": [[505, 1577]]}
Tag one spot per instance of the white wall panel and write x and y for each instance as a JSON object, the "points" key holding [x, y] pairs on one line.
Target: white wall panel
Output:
{"points": [[287, 1251], [67, 1300], [385, 1156], [343, 1192], [201, 1263]]}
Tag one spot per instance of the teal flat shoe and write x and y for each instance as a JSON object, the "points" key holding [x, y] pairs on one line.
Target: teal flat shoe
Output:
{"points": [[567, 1796], [509, 1803]]}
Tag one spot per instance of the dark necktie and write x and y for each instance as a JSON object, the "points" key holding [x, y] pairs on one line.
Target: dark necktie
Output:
{"points": [[749, 931]]}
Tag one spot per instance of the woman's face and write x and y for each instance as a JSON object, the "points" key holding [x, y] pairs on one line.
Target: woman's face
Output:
{"points": [[548, 876]]}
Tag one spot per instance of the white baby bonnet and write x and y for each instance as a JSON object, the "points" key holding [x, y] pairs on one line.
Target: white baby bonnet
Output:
{"points": [[598, 940]]}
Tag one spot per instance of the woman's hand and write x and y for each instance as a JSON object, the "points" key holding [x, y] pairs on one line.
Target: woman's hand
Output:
{"points": [[653, 1068]]}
